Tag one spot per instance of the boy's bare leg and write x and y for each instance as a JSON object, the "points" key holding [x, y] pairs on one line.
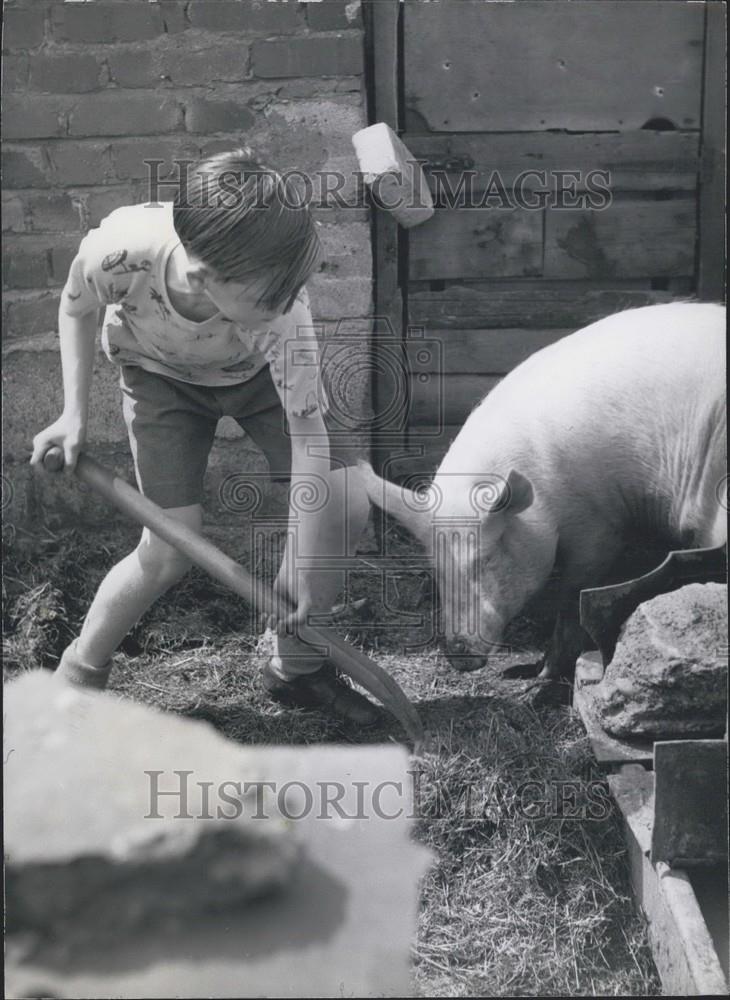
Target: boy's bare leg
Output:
{"points": [[295, 674], [341, 527], [126, 592]]}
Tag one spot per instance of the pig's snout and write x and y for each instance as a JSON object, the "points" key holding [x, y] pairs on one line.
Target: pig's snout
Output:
{"points": [[461, 657]]}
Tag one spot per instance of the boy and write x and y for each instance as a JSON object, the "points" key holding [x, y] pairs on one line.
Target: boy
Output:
{"points": [[207, 315]]}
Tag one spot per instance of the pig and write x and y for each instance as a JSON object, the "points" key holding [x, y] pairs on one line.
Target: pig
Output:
{"points": [[618, 427]]}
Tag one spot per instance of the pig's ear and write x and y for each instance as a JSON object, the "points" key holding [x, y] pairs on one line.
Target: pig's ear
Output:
{"points": [[518, 493]]}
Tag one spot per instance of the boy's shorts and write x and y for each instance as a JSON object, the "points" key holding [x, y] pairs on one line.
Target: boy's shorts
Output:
{"points": [[172, 425]]}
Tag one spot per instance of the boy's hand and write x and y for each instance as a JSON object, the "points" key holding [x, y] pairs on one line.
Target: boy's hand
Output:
{"points": [[69, 433], [285, 619]]}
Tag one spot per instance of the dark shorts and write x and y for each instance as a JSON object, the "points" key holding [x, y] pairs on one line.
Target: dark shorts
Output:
{"points": [[172, 424]]}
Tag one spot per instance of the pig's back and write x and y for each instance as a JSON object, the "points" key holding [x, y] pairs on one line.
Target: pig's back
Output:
{"points": [[625, 416], [659, 347]]}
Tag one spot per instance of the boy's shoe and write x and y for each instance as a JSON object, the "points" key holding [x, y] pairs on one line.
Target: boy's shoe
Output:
{"points": [[72, 670], [323, 689]]}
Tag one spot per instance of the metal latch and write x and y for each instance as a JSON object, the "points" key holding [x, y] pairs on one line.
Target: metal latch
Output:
{"points": [[449, 164]]}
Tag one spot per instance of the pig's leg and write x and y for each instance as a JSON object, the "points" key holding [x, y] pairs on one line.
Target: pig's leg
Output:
{"points": [[584, 565], [567, 642]]}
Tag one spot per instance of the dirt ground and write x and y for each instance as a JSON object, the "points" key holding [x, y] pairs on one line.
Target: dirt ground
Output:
{"points": [[522, 900]]}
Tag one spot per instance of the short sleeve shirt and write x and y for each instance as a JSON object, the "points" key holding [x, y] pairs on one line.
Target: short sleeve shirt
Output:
{"points": [[122, 264]]}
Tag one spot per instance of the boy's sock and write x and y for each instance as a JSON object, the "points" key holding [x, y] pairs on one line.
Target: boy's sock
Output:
{"points": [[72, 670], [291, 659]]}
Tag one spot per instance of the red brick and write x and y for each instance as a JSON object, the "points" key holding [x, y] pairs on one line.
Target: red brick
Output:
{"points": [[25, 266], [129, 156], [24, 168], [120, 113], [331, 15], [217, 116], [22, 28], [32, 116], [130, 68], [226, 61], [54, 213], [339, 55], [74, 162], [30, 317], [106, 22], [15, 72], [269, 16], [65, 74], [13, 215]]}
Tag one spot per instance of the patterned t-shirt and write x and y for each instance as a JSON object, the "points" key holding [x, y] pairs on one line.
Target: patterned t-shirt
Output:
{"points": [[121, 265]]}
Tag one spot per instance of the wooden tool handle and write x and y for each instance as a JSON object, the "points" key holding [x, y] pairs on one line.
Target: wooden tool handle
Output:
{"points": [[230, 573], [53, 460]]}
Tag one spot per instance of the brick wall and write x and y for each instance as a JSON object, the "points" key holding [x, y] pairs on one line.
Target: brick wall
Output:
{"points": [[93, 89]]}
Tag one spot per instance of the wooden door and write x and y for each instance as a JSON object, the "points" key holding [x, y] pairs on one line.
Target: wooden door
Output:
{"points": [[564, 144]]}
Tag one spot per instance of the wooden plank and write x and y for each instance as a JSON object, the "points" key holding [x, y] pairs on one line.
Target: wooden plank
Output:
{"points": [[438, 400], [530, 65], [488, 352], [690, 803], [383, 17], [681, 945], [712, 270], [634, 161], [608, 751], [540, 304], [628, 239], [477, 243], [383, 25], [424, 451], [710, 886]]}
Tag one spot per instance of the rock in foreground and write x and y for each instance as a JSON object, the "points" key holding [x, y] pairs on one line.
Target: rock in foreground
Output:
{"points": [[668, 676], [135, 868], [95, 844]]}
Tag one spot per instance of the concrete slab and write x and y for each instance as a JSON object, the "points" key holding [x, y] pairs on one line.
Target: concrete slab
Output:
{"points": [[79, 794]]}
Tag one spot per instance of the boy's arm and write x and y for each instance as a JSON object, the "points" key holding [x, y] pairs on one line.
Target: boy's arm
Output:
{"points": [[77, 335], [307, 513]]}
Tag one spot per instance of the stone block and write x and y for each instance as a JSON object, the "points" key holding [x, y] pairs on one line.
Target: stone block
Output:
{"points": [[117, 112], [263, 871], [333, 15], [208, 115], [251, 15], [14, 72], [34, 116], [108, 22], [13, 213], [55, 213], [24, 167], [338, 55], [22, 27], [668, 676], [65, 74], [76, 162], [226, 60]]}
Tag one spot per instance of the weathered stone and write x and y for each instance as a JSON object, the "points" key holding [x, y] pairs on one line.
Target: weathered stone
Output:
{"points": [[94, 847], [668, 676], [77, 794]]}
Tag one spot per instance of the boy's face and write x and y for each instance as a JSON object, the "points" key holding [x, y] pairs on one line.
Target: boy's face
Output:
{"points": [[237, 301]]}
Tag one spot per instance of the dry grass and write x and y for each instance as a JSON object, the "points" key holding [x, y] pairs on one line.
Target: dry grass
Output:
{"points": [[516, 905]]}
